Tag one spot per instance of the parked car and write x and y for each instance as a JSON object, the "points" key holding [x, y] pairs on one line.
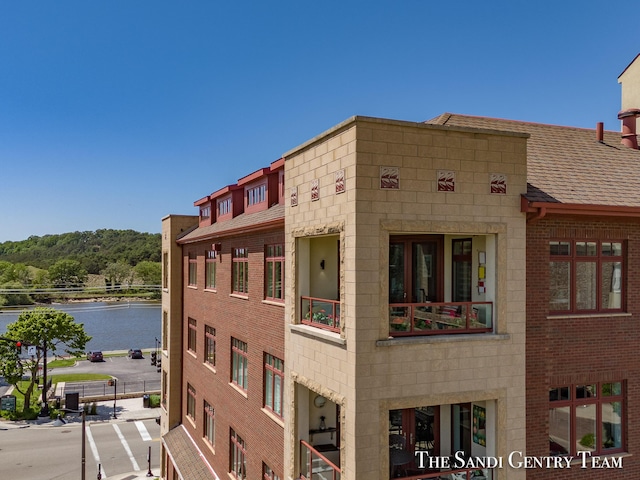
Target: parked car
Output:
{"points": [[95, 356], [135, 353]]}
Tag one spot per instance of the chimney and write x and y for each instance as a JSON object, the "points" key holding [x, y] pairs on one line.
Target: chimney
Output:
{"points": [[628, 117], [600, 132]]}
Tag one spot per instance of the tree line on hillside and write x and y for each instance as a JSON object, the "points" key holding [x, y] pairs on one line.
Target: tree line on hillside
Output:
{"points": [[30, 269], [93, 250]]}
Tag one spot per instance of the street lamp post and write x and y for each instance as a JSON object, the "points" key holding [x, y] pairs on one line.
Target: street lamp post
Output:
{"points": [[115, 390], [114, 382], [149, 472]]}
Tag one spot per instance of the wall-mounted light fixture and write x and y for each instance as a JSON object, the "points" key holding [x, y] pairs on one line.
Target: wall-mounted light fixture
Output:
{"points": [[322, 264]]}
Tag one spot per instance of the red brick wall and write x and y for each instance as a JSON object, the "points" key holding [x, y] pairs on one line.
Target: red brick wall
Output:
{"points": [[261, 326], [596, 348]]}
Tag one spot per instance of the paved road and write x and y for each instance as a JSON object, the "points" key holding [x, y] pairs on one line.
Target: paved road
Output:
{"points": [[50, 452]]}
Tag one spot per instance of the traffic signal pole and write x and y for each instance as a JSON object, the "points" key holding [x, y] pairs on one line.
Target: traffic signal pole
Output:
{"points": [[45, 400], [19, 344]]}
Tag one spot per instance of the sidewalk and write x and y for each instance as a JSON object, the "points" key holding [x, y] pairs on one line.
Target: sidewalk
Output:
{"points": [[127, 410]]}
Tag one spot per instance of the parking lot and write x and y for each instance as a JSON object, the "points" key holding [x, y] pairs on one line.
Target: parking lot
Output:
{"points": [[131, 375]]}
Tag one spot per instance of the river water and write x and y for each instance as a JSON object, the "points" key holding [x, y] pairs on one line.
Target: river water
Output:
{"points": [[113, 325]]}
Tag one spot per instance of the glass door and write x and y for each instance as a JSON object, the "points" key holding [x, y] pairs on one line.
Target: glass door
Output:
{"points": [[461, 266], [461, 429]]}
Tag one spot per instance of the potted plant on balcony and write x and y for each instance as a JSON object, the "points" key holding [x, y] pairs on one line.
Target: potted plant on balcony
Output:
{"points": [[320, 316]]}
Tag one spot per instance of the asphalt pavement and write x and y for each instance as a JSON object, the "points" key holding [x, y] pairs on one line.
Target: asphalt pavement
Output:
{"points": [[126, 410]]}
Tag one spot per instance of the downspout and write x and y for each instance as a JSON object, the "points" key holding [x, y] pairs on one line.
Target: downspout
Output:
{"points": [[542, 211], [525, 206]]}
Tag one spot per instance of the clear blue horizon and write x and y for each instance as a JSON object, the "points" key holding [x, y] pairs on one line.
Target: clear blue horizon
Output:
{"points": [[116, 114]]}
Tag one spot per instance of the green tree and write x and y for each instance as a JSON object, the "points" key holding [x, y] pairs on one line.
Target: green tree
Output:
{"points": [[44, 327], [15, 297], [67, 273], [117, 273], [149, 272]]}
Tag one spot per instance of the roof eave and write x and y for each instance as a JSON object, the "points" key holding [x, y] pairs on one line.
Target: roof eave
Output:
{"points": [[235, 231], [542, 209]]}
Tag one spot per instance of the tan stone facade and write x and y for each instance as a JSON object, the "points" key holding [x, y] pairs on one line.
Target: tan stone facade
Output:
{"points": [[630, 85], [338, 244], [172, 276]]}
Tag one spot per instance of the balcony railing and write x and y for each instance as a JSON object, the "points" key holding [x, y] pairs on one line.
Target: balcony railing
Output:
{"points": [[315, 466], [410, 319], [458, 474], [321, 313]]}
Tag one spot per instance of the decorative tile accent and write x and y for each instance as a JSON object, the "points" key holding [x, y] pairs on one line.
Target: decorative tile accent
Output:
{"points": [[498, 183], [294, 197], [446, 181], [390, 178], [315, 189], [340, 186]]}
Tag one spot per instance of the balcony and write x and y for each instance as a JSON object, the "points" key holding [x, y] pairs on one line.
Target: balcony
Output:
{"points": [[457, 474], [320, 313], [446, 318], [316, 466]]}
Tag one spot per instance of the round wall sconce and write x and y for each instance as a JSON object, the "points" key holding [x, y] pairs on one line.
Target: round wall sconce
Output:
{"points": [[319, 401]]}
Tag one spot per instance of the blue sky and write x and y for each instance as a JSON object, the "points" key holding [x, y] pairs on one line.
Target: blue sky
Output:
{"points": [[115, 114]]}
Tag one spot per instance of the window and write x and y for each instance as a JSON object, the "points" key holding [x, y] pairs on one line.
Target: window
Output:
{"points": [[165, 329], [209, 424], [192, 337], [205, 212], [256, 195], [585, 276], [240, 271], [274, 275], [210, 269], [191, 402], [268, 474], [210, 345], [238, 465], [419, 303], [586, 417], [239, 363], [414, 270], [273, 382], [193, 269], [224, 206], [165, 270], [461, 270], [164, 388], [281, 186]]}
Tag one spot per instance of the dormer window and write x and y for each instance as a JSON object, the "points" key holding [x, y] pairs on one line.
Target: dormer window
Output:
{"points": [[205, 212], [257, 194], [224, 206]]}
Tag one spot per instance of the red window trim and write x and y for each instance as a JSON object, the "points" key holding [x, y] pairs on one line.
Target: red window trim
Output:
{"points": [[573, 258], [240, 257], [270, 262], [209, 339], [192, 336], [599, 399], [274, 372]]}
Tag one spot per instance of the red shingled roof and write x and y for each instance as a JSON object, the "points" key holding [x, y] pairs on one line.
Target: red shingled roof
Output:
{"points": [[568, 165]]}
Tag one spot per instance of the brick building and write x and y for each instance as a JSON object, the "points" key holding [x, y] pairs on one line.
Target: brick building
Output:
{"points": [[463, 286], [583, 255], [223, 316]]}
